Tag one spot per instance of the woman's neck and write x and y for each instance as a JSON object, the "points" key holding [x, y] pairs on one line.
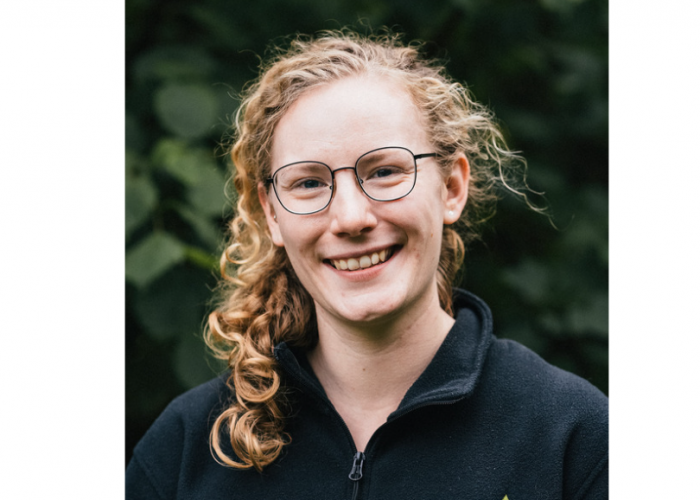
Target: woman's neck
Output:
{"points": [[367, 369]]}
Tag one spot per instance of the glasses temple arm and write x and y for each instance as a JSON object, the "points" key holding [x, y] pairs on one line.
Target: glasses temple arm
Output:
{"points": [[425, 155]]}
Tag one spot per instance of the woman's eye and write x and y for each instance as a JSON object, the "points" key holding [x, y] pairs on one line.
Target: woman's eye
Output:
{"points": [[311, 184], [383, 172], [308, 184]]}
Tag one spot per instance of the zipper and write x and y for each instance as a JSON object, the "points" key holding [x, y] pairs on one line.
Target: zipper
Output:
{"points": [[356, 472], [359, 457]]}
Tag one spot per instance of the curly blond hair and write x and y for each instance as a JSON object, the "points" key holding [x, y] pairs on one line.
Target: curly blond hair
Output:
{"points": [[262, 301]]}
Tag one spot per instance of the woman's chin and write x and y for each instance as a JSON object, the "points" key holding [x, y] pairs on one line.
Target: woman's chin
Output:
{"points": [[364, 309]]}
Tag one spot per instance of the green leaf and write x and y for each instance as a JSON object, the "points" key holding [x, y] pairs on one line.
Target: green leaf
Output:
{"points": [[152, 257], [141, 197], [207, 194], [134, 163], [590, 317], [589, 231], [182, 162], [134, 138], [201, 258], [186, 110], [172, 305], [560, 5], [191, 364], [205, 228], [550, 322], [531, 279], [173, 63], [523, 333]]}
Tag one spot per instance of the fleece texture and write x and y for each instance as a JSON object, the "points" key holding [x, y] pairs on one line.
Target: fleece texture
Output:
{"points": [[488, 419]]}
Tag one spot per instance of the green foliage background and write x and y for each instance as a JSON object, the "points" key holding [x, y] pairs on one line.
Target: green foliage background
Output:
{"points": [[540, 65]]}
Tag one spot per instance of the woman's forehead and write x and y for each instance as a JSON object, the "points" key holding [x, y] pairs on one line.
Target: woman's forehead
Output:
{"points": [[348, 117]]}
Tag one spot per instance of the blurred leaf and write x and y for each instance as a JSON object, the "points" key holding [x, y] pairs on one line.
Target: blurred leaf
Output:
{"points": [[560, 5], [596, 353], [227, 102], [141, 198], [589, 228], [469, 6], [207, 194], [135, 164], [218, 26], [205, 228], [527, 125], [596, 201], [157, 253], [550, 322], [182, 162], [173, 63], [582, 233], [590, 317], [135, 139], [523, 333], [544, 178], [189, 111], [202, 259], [530, 279], [191, 362], [527, 57], [173, 305], [582, 68]]}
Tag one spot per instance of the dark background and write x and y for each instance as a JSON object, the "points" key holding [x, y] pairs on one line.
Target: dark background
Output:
{"points": [[540, 65]]}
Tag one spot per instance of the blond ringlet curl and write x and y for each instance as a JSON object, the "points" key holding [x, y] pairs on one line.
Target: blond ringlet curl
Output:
{"points": [[262, 301]]}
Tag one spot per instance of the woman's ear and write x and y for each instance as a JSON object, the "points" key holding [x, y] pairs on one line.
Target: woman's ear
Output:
{"points": [[270, 215], [457, 184]]}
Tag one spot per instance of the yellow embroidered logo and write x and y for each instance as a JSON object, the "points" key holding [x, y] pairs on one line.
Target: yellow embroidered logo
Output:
{"points": [[505, 497]]}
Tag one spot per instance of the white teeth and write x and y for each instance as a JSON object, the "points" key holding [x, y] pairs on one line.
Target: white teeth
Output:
{"points": [[362, 262]]}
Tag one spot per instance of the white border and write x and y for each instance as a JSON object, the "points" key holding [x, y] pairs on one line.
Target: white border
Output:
{"points": [[655, 249], [62, 205]]}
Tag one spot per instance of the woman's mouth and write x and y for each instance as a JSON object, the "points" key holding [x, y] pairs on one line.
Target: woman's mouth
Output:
{"points": [[362, 261]]}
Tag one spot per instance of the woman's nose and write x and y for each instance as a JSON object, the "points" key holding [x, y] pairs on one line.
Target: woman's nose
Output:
{"points": [[350, 210]]}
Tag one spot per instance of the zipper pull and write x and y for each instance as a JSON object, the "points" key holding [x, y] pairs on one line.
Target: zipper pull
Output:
{"points": [[356, 472], [358, 461]]}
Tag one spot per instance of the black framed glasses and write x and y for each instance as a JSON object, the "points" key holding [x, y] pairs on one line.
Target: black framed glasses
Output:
{"points": [[383, 174]]}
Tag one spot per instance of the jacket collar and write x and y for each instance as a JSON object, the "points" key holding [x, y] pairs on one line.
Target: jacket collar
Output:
{"points": [[451, 375]]}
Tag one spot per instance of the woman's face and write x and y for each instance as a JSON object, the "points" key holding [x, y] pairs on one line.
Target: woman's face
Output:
{"points": [[336, 124]]}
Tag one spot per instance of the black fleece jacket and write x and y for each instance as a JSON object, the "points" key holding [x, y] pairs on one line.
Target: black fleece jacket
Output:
{"points": [[487, 419]]}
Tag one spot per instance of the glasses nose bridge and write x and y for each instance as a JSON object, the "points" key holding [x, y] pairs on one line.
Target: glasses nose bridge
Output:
{"points": [[354, 169], [357, 180]]}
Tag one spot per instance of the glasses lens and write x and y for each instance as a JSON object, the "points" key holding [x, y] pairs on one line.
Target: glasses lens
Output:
{"points": [[387, 174], [303, 187]]}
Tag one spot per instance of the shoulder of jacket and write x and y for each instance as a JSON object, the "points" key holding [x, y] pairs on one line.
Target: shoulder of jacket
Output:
{"points": [[201, 399], [179, 432], [189, 413], [518, 369]]}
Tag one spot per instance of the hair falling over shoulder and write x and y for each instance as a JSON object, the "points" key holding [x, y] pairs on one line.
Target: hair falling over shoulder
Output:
{"points": [[262, 302]]}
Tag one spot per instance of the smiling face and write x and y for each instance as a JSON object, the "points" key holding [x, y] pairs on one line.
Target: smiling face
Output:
{"points": [[361, 260]]}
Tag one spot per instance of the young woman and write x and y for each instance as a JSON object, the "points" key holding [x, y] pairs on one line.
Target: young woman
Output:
{"points": [[356, 371]]}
